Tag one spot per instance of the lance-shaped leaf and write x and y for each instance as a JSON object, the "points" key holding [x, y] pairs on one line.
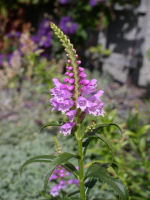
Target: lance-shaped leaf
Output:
{"points": [[73, 193], [100, 137], [71, 168], [98, 128], [40, 158], [53, 123], [89, 185], [61, 159], [97, 171]]}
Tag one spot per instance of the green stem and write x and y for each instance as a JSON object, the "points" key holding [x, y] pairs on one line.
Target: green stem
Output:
{"points": [[81, 170]]}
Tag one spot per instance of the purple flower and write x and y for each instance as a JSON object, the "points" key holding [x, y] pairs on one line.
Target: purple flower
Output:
{"points": [[13, 34], [73, 181], [53, 177], [1, 59], [45, 40], [93, 2], [63, 1], [71, 114], [59, 175], [87, 101], [66, 128], [82, 103], [67, 25], [43, 37], [55, 191]]}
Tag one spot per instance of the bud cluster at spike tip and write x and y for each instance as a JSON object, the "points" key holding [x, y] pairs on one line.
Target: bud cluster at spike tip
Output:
{"points": [[64, 95]]}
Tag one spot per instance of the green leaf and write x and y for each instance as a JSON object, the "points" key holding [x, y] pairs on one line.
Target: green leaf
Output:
{"points": [[73, 193], [97, 171], [40, 158], [100, 137], [98, 128], [53, 123], [61, 159], [89, 185], [71, 168], [111, 124]]}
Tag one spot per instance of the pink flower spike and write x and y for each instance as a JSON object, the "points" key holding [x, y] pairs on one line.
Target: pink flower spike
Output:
{"points": [[76, 56], [66, 128], [82, 103], [71, 81], [78, 62], [81, 69], [71, 75]]}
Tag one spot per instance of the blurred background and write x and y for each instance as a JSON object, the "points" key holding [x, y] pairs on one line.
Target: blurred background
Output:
{"points": [[112, 38]]}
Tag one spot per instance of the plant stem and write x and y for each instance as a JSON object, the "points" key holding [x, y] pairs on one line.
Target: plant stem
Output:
{"points": [[81, 171]]}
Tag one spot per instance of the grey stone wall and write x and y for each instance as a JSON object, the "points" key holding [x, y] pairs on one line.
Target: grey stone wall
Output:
{"points": [[128, 37]]}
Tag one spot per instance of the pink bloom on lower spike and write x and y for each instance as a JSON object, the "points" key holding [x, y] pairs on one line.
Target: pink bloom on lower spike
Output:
{"points": [[66, 128], [73, 181], [82, 103], [55, 191], [53, 177]]}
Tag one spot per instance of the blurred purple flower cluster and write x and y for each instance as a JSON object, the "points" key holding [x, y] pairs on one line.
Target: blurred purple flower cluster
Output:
{"points": [[67, 25], [60, 175], [1, 59], [63, 1], [43, 37], [95, 2]]}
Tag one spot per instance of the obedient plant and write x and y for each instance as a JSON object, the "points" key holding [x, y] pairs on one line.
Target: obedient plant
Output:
{"points": [[76, 98]]}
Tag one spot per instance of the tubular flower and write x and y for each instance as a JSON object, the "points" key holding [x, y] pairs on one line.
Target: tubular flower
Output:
{"points": [[61, 176], [77, 95]]}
